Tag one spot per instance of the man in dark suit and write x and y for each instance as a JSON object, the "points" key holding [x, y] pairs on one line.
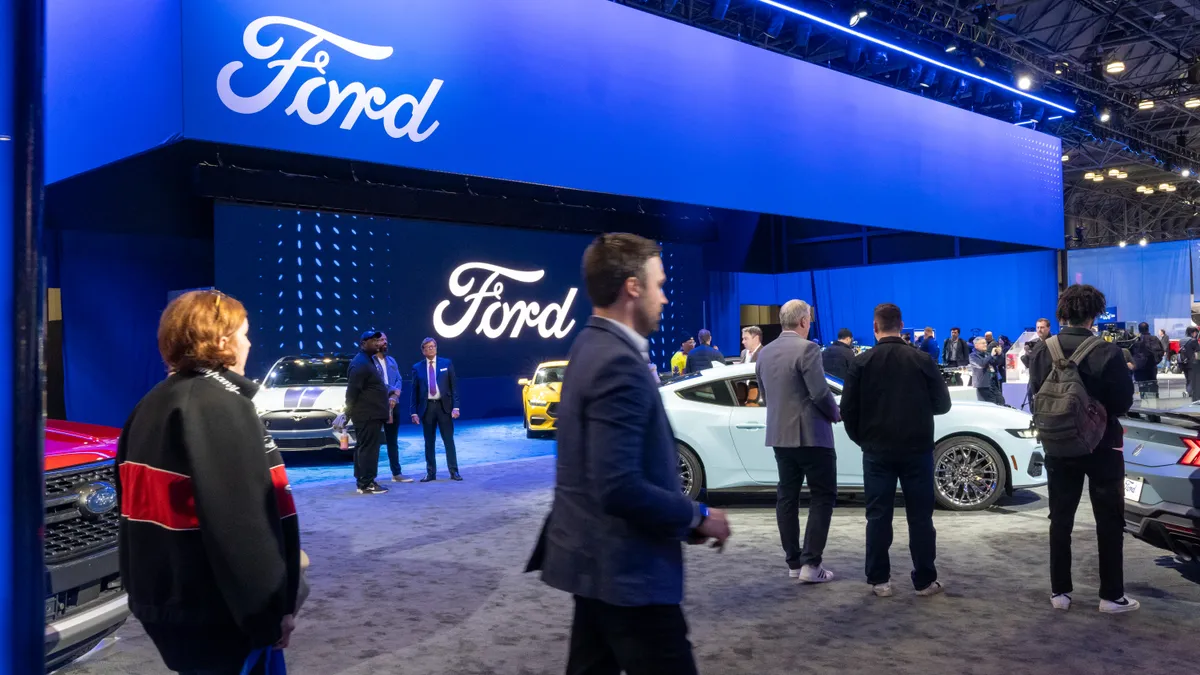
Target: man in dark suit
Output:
{"points": [[955, 351], [889, 402], [435, 406], [752, 341], [801, 413], [613, 537], [837, 357], [367, 407], [704, 355]]}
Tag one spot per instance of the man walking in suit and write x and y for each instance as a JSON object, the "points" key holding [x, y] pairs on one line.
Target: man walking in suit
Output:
{"points": [[704, 355], [800, 417], [891, 396], [435, 406], [752, 341], [391, 430], [367, 407], [614, 534]]}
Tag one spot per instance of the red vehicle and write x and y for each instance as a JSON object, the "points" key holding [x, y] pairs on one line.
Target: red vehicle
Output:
{"points": [[85, 601]]}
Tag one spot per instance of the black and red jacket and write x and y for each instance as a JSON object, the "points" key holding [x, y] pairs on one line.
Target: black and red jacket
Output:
{"points": [[210, 545]]}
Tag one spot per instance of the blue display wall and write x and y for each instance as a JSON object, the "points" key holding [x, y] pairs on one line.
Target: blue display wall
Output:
{"points": [[1143, 283]]}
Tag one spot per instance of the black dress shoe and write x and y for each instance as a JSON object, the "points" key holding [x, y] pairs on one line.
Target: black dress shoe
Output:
{"points": [[428, 478], [455, 476]]}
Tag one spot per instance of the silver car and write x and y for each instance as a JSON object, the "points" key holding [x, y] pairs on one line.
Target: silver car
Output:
{"points": [[1162, 478]]}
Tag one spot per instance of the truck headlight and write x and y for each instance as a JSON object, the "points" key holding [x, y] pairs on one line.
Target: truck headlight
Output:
{"points": [[1027, 433]]}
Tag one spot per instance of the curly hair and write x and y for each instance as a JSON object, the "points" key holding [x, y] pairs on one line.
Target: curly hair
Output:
{"points": [[191, 328], [1080, 304]]}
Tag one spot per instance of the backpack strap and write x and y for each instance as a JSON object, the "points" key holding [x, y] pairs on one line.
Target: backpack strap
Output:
{"points": [[1056, 352], [1084, 349]]}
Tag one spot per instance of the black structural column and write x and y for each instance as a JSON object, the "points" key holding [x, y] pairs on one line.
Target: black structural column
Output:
{"points": [[22, 599]]}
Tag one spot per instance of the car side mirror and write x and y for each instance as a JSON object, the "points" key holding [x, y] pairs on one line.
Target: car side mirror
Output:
{"points": [[524, 382]]}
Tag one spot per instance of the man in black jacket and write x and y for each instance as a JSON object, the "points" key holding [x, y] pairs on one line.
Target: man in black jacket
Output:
{"points": [[1106, 378], [1147, 352], [892, 393], [837, 357], [367, 407], [1189, 352], [955, 351], [704, 355]]}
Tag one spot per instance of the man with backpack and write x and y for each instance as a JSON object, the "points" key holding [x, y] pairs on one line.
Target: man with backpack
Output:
{"points": [[1082, 388]]}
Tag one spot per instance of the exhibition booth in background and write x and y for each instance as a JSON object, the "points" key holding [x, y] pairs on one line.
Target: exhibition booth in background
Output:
{"points": [[436, 167]]}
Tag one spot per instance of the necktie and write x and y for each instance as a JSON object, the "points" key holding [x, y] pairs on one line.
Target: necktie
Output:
{"points": [[432, 380]]}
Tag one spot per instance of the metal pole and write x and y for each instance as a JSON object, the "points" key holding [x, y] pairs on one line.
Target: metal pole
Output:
{"points": [[22, 629]]}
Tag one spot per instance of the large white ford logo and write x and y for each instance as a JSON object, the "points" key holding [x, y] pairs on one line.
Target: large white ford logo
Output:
{"points": [[97, 498], [369, 102], [499, 315]]}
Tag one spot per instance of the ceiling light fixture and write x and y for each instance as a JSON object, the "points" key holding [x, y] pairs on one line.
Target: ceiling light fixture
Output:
{"points": [[1121, 243], [1185, 173], [1192, 103], [1149, 191], [1142, 241], [910, 53], [1145, 105], [1024, 83], [1141, 189], [1066, 157], [1105, 115], [1114, 67], [1098, 179], [1089, 175], [1169, 188], [1114, 172], [1163, 186], [1122, 175]]}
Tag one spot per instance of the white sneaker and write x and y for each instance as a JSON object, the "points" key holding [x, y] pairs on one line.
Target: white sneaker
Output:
{"points": [[932, 589], [1125, 604], [794, 573], [882, 590], [815, 574], [1061, 601]]}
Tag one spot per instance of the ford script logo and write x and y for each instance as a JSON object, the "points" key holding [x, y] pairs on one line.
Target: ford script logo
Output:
{"points": [[97, 498], [401, 116], [499, 316]]}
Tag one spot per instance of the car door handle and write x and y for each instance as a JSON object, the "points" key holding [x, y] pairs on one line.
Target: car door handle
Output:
{"points": [[752, 425]]}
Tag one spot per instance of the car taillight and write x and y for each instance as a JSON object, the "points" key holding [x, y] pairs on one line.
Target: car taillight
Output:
{"points": [[1192, 456]]}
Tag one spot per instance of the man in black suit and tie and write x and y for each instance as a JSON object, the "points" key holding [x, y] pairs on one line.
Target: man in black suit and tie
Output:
{"points": [[614, 534], [367, 407], [435, 406]]}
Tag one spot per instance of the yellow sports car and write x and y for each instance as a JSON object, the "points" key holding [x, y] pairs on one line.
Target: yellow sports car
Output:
{"points": [[540, 397]]}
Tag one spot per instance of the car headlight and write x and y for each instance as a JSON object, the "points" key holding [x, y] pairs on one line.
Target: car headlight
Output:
{"points": [[537, 401], [1028, 432]]}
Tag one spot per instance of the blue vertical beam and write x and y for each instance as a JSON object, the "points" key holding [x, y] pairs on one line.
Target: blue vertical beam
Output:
{"points": [[22, 45]]}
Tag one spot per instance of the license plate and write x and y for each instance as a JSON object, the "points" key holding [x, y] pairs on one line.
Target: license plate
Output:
{"points": [[1133, 489]]}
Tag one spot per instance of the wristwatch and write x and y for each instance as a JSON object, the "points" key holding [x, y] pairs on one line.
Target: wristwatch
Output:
{"points": [[703, 514]]}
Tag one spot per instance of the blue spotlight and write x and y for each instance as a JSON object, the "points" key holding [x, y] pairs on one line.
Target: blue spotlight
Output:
{"points": [[719, 8], [907, 52]]}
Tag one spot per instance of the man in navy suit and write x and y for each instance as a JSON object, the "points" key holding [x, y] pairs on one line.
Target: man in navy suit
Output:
{"points": [[435, 406], [614, 534]]}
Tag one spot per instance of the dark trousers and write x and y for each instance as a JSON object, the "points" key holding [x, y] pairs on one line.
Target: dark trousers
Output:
{"points": [[391, 434], [915, 473], [819, 465], [990, 394], [368, 434], [1105, 471], [1190, 378], [649, 640], [437, 419]]}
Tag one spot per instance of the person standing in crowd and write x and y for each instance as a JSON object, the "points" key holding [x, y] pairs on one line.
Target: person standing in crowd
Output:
{"points": [[955, 352], [679, 360], [837, 357], [889, 402], [752, 341], [801, 412], [1165, 341], [1147, 351], [991, 342], [614, 535], [367, 396], [984, 363], [391, 429], [1188, 357], [1043, 329], [928, 344], [1101, 367], [703, 355], [435, 407], [209, 540], [1002, 369]]}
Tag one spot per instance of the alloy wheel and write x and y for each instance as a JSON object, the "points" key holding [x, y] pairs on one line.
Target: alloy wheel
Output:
{"points": [[966, 474], [687, 476]]}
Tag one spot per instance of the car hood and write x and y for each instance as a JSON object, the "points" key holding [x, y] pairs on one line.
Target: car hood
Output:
{"points": [[547, 392], [331, 397], [71, 444]]}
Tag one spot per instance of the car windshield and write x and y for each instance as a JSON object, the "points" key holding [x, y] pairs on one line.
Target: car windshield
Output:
{"points": [[549, 375], [308, 372]]}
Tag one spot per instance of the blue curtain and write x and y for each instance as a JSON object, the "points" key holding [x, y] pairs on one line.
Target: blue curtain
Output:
{"points": [[728, 291], [1144, 283], [1002, 293], [114, 287]]}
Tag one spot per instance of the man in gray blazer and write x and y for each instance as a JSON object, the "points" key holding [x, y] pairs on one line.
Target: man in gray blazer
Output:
{"points": [[801, 413]]}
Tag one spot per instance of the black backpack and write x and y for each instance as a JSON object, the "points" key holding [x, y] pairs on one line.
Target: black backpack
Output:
{"points": [[1069, 422]]}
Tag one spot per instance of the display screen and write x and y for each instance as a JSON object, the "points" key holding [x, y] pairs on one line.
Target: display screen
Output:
{"points": [[498, 300]]}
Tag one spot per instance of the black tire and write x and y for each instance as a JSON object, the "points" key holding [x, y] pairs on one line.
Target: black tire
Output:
{"points": [[969, 474], [691, 472]]}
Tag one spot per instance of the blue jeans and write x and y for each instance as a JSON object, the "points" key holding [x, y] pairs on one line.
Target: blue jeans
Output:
{"points": [[915, 473]]}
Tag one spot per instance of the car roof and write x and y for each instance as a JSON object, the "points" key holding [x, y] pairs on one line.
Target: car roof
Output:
{"points": [[315, 357], [723, 373], [552, 364]]}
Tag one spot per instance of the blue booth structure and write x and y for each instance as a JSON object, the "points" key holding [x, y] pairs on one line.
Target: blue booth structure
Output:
{"points": [[371, 164]]}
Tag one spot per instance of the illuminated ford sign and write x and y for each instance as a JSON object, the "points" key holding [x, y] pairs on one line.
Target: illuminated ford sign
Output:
{"points": [[498, 316], [363, 100]]}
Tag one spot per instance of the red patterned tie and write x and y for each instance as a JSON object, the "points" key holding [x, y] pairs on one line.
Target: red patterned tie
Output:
{"points": [[432, 380]]}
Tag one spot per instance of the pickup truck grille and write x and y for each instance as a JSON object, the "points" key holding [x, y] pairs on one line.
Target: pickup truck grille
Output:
{"points": [[69, 531]]}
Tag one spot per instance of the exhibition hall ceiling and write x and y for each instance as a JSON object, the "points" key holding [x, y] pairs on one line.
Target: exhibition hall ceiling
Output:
{"points": [[1130, 71]]}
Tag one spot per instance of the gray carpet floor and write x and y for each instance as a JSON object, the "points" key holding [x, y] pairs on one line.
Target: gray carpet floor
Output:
{"points": [[427, 579]]}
